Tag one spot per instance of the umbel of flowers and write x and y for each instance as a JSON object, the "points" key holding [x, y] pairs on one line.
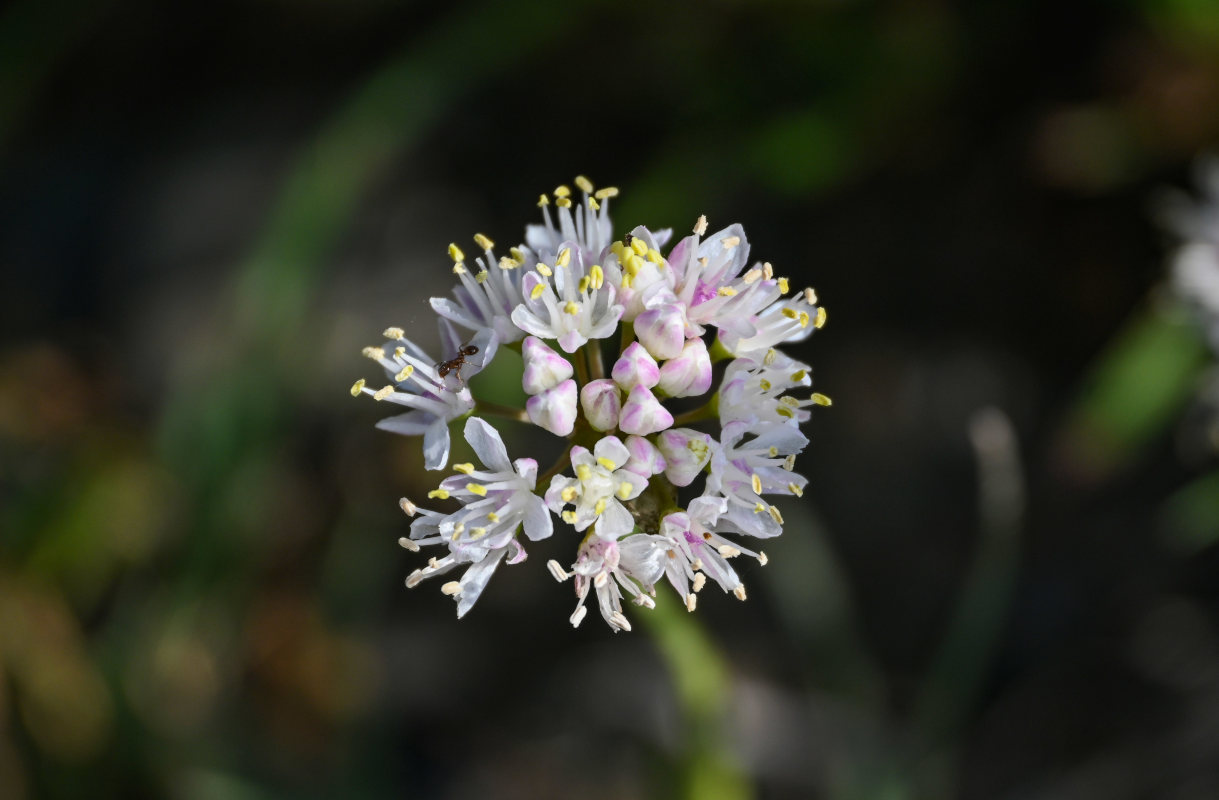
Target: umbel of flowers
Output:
{"points": [[611, 331]]}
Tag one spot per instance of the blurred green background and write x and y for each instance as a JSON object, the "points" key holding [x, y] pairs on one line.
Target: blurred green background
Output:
{"points": [[1001, 582]]}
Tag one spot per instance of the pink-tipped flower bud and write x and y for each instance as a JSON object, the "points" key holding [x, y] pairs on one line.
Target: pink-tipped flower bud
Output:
{"points": [[689, 374], [643, 413], [686, 452], [544, 368], [554, 409], [635, 367], [645, 459], [662, 330], [601, 404]]}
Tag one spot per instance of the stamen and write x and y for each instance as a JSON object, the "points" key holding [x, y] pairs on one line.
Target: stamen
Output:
{"points": [[413, 579], [483, 241], [691, 601], [584, 184], [578, 616], [408, 544], [382, 393], [557, 571], [406, 372], [731, 242], [452, 588], [756, 482], [464, 469], [739, 592], [821, 316], [407, 506], [543, 200], [375, 353], [608, 191], [357, 387], [438, 494], [562, 191], [476, 488], [393, 333], [607, 463], [700, 580], [700, 227], [821, 399], [620, 620], [455, 253], [601, 579], [762, 559]]}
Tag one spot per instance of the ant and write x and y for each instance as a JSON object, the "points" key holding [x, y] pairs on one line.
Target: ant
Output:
{"points": [[626, 240], [443, 368]]}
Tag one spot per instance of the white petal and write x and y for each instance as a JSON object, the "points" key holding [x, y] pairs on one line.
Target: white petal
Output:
{"points": [[538, 524], [614, 522], [488, 445], [436, 445], [412, 423], [475, 580]]}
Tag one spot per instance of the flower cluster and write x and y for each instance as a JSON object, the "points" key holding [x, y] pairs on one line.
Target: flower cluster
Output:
{"points": [[615, 337]]}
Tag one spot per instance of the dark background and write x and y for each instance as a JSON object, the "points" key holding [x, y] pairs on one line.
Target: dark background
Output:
{"points": [[207, 209]]}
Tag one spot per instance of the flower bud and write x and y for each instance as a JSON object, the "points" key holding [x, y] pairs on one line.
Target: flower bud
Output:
{"points": [[601, 404], [662, 330], [645, 459], [544, 368], [635, 367], [689, 374], [643, 413], [554, 409], [686, 452]]}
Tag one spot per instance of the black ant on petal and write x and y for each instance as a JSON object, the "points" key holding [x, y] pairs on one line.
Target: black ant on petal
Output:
{"points": [[443, 368]]}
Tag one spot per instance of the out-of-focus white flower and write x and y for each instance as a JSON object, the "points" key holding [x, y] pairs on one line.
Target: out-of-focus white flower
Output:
{"points": [[496, 502], [1195, 264]]}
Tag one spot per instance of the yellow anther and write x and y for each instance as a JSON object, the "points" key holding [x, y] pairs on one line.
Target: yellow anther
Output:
{"points": [[597, 275], [624, 490], [572, 307], [357, 387], [438, 494], [739, 593], [562, 191], [583, 285], [784, 286], [584, 184], [382, 393], [506, 262], [584, 472], [569, 494], [481, 277], [627, 281], [632, 264], [564, 257], [756, 482], [726, 291], [456, 254], [804, 319], [563, 202], [407, 506], [820, 323], [655, 257], [375, 353], [789, 401], [608, 191], [763, 560], [764, 385], [691, 602], [544, 270], [775, 515], [393, 333], [795, 489], [492, 516], [593, 204], [406, 372], [616, 248], [537, 291], [459, 529], [451, 588], [768, 271], [770, 356], [476, 488], [785, 412], [810, 296], [752, 276], [791, 313], [821, 399], [483, 242], [459, 269], [517, 254], [607, 463], [700, 227], [789, 463], [759, 508], [774, 451], [543, 200], [477, 533], [639, 246], [798, 376], [569, 517], [600, 507], [464, 469], [731, 242]]}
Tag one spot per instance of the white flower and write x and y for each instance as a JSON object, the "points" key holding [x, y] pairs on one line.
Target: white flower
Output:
{"points": [[609, 566], [599, 489], [643, 414], [601, 404], [662, 330], [744, 470], [755, 387], [496, 502], [635, 367], [569, 301], [695, 549], [544, 368], [585, 224], [554, 409], [783, 321], [1195, 265], [636, 267], [688, 375], [685, 452], [486, 299], [434, 400]]}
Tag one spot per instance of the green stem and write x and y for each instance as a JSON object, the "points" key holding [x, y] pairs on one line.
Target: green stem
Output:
{"points": [[702, 682], [705, 412], [495, 409], [595, 364], [581, 367], [558, 466]]}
